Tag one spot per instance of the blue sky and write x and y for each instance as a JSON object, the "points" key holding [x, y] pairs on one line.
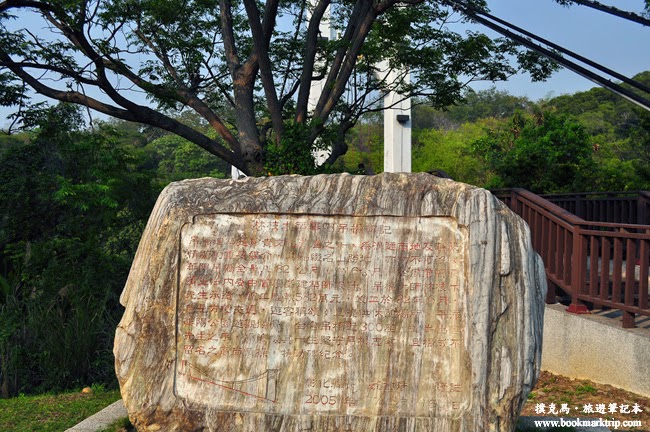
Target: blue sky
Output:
{"points": [[619, 44]]}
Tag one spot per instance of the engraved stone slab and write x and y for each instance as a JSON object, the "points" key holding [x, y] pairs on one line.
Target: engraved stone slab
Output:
{"points": [[293, 303], [274, 309]]}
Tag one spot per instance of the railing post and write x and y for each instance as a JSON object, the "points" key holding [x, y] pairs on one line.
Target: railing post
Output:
{"points": [[630, 282], [578, 261], [643, 210], [580, 209], [551, 292], [513, 201]]}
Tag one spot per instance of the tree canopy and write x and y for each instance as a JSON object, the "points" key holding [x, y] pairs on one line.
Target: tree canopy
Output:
{"points": [[543, 152], [246, 67]]}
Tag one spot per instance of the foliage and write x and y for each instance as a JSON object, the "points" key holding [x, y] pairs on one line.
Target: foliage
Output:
{"points": [[52, 412], [291, 155], [365, 142], [620, 133], [475, 105], [174, 158], [641, 148], [65, 251], [543, 153], [247, 68], [449, 151]]}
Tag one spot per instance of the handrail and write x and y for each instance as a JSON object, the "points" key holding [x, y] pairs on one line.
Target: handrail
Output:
{"points": [[555, 209], [608, 206], [598, 263], [583, 194]]}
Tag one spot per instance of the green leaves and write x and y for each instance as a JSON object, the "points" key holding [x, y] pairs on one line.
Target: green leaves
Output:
{"points": [[73, 205], [291, 155], [200, 55], [177, 159], [11, 90], [542, 152], [449, 151]]}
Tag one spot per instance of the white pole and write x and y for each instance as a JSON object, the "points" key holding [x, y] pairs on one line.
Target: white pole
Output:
{"points": [[397, 128], [235, 173], [397, 116]]}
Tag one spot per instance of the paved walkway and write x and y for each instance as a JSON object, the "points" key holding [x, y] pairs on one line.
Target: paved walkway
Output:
{"points": [[102, 419]]}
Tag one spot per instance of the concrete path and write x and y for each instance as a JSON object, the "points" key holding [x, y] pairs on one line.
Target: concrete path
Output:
{"points": [[102, 419]]}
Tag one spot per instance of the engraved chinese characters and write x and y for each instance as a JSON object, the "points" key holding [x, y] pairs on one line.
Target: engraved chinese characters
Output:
{"points": [[326, 314], [397, 302]]}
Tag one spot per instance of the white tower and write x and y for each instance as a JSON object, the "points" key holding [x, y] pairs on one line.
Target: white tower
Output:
{"points": [[397, 125]]}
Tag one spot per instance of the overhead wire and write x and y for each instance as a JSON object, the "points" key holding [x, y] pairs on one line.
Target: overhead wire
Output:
{"points": [[570, 53], [613, 11], [495, 23]]}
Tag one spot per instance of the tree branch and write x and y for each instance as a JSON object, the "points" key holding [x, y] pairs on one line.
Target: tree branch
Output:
{"points": [[311, 46], [232, 58], [336, 83], [9, 4], [260, 42], [142, 115]]}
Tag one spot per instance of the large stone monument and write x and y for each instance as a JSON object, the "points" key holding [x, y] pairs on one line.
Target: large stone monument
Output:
{"points": [[397, 302]]}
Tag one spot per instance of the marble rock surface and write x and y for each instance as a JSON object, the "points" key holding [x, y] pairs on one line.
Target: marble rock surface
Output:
{"points": [[397, 302]]}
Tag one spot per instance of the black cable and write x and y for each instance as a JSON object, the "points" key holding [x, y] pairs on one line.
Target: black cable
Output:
{"points": [[616, 88], [585, 60], [613, 11]]}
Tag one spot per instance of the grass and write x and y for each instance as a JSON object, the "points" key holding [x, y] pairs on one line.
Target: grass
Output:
{"points": [[59, 412], [53, 412], [579, 393], [119, 425], [586, 388]]}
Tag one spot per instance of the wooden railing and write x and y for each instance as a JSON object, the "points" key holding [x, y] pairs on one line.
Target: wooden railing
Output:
{"points": [[595, 263], [615, 207]]}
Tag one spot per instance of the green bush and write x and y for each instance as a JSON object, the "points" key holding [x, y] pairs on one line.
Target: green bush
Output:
{"points": [[73, 205]]}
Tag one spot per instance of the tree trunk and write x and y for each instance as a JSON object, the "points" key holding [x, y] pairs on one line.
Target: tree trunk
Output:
{"points": [[250, 145]]}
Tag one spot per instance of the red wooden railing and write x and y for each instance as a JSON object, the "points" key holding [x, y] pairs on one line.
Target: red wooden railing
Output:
{"points": [[596, 263], [615, 207]]}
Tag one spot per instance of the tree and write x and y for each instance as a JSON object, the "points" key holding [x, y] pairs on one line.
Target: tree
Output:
{"points": [[450, 151], [619, 132], [73, 205], [246, 67], [543, 153], [474, 105]]}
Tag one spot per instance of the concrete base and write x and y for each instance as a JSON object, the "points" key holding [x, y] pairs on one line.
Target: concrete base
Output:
{"points": [[102, 419], [597, 349]]}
